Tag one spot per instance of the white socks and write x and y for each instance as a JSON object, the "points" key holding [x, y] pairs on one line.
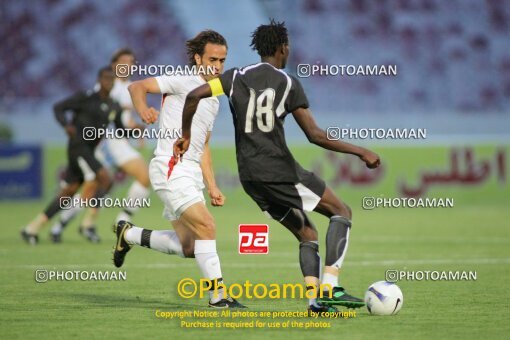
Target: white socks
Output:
{"points": [[134, 235], [209, 263], [165, 241], [329, 279]]}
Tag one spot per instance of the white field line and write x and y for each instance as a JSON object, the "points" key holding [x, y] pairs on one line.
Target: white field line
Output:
{"points": [[185, 264]]}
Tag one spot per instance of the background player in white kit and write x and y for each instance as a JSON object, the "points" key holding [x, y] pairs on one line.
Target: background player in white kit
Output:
{"points": [[117, 153], [180, 184]]}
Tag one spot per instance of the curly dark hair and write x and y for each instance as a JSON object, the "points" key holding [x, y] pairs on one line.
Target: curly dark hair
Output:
{"points": [[197, 44], [267, 38]]}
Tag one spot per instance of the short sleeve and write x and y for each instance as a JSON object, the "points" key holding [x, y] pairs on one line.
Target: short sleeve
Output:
{"points": [[297, 97], [168, 84], [227, 80]]}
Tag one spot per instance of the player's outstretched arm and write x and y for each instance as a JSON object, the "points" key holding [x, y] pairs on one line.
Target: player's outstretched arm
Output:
{"points": [[189, 110], [318, 136], [138, 91]]}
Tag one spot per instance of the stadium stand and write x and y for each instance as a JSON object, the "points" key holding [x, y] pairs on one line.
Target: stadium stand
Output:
{"points": [[451, 55]]}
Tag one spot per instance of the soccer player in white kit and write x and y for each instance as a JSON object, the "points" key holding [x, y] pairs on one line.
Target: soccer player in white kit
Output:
{"points": [[116, 152], [179, 183]]}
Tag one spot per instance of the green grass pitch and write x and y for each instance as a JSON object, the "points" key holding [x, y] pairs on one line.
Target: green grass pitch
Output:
{"points": [[473, 236]]}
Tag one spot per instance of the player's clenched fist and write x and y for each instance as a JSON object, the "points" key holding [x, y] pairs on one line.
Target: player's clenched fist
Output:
{"points": [[371, 159], [149, 115], [217, 197]]}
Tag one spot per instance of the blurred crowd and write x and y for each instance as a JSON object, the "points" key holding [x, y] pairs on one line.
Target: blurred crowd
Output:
{"points": [[451, 55]]}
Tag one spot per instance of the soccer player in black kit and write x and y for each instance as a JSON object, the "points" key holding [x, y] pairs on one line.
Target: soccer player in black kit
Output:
{"points": [[261, 95], [90, 110]]}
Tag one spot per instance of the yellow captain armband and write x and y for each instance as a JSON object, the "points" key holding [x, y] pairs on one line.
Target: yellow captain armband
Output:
{"points": [[216, 88]]}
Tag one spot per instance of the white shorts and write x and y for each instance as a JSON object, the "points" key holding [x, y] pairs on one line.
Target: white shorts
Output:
{"points": [[178, 187], [116, 152]]}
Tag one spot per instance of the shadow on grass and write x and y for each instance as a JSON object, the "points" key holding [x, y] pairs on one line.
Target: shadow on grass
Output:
{"points": [[126, 301]]}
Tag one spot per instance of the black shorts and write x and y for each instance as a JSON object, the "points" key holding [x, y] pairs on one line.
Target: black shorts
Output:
{"points": [[82, 164], [277, 198]]}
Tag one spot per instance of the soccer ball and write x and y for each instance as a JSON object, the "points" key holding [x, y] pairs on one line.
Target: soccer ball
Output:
{"points": [[384, 298]]}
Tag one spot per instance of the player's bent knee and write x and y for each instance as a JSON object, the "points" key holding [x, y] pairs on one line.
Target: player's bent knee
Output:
{"points": [[348, 212], [307, 235], [341, 210], [207, 230]]}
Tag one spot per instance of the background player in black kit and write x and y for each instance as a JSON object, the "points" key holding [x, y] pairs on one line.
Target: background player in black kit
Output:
{"points": [[90, 110], [260, 96]]}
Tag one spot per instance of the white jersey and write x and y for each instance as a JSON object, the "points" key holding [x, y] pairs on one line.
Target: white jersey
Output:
{"points": [[120, 94], [174, 90], [118, 151]]}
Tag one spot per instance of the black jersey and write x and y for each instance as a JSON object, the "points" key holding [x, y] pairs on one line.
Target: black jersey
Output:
{"points": [[260, 96], [89, 110]]}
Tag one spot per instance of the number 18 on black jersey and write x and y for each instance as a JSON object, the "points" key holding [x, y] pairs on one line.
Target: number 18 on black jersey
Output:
{"points": [[260, 96]]}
